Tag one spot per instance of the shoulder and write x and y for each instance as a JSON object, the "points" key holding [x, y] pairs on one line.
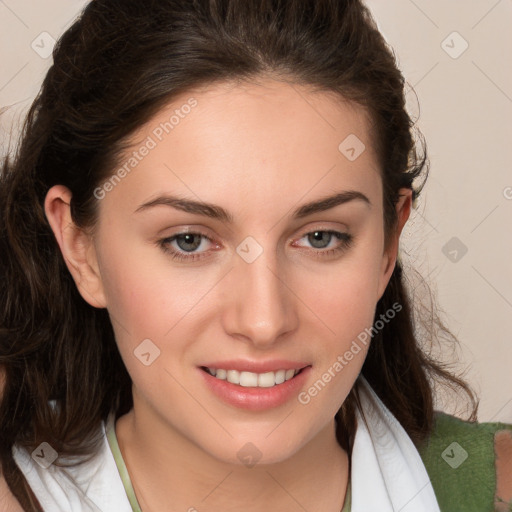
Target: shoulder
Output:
{"points": [[469, 464], [85, 482]]}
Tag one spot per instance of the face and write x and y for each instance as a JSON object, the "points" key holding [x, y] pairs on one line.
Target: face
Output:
{"points": [[247, 237]]}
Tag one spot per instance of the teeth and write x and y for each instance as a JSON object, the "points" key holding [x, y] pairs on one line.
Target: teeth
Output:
{"points": [[248, 379], [289, 374], [233, 376], [253, 380], [266, 380]]}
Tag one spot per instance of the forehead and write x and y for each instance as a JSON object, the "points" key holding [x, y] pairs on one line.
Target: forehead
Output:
{"points": [[280, 113], [261, 140]]}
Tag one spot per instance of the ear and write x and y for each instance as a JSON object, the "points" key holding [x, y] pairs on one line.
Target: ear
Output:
{"points": [[76, 245], [403, 210]]}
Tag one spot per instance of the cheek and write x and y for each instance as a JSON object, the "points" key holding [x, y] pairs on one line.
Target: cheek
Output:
{"points": [[344, 298], [348, 311], [345, 294], [151, 298], [146, 291], [344, 301]]}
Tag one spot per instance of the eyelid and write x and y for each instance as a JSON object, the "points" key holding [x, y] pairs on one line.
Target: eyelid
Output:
{"points": [[343, 237], [196, 232], [321, 227], [187, 230]]}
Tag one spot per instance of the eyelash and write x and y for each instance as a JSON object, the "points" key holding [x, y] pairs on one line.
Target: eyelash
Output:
{"points": [[346, 241]]}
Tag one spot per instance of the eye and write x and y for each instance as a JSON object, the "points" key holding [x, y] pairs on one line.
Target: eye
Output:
{"points": [[191, 246], [186, 246], [327, 242]]}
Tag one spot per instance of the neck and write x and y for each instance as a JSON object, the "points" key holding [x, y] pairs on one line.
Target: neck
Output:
{"points": [[167, 468]]}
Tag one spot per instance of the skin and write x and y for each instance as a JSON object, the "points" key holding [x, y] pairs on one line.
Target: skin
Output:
{"points": [[259, 151]]}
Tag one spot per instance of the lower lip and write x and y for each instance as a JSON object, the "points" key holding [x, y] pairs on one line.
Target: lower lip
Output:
{"points": [[252, 398]]}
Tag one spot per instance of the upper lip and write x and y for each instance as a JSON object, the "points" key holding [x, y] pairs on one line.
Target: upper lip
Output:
{"points": [[257, 366]]}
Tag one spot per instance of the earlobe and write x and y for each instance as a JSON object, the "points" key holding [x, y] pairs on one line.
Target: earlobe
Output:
{"points": [[403, 210], [76, 246]]}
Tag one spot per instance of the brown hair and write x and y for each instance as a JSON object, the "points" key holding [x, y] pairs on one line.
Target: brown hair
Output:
{"points": [[114, 68]]}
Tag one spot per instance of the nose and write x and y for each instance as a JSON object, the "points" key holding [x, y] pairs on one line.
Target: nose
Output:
{"points": [[260, 307]]}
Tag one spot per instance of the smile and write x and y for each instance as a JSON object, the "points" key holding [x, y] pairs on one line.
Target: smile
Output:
{"points": [[251, 379]]}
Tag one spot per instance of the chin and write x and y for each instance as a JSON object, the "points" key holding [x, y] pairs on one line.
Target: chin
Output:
{"points": [[256, 451]]}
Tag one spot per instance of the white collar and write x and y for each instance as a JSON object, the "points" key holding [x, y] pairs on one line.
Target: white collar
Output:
{"points": [[387, 471]]}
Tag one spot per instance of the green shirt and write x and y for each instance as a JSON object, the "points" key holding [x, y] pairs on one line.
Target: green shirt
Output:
{"points": [[460, 460]]}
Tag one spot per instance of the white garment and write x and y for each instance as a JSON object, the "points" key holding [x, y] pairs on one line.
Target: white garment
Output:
{"points": [[388, 474], [94, 486]]}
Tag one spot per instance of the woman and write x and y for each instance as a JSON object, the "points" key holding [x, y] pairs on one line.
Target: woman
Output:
{"points": [[203, 306]]}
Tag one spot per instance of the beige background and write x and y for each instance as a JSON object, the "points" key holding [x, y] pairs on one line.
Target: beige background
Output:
{"points": [[456, 55]]}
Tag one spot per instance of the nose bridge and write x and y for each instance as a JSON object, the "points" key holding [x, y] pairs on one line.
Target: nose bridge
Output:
{"points": [[261, 307]]}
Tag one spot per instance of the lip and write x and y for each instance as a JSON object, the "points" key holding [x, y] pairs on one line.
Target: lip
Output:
{"points": [[257, 366], [255, 398]]}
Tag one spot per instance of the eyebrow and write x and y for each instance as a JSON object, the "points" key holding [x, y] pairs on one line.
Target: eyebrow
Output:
{"points": [[216, 212]]}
